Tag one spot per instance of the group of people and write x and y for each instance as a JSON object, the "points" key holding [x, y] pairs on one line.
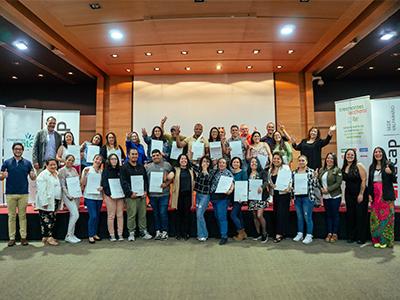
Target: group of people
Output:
{"points": [[244, 169]]}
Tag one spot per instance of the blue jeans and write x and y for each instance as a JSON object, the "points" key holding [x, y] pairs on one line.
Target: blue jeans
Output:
{"points": [[202, 201], [332, 214], [221, 212], [236, 215], [94, 209], [304, 209], [160, 212]]}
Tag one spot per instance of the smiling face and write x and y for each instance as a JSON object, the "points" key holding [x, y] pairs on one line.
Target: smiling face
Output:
{"points": [[18, 151], [113, 161], [156, 157], [270, 128], [97, 161], [52, 166], [157, 132], [222, 164], [134, 137], [378, 155], [111, 139], [235, 132], [236, 164], [51, 124], [68, 138], [205, 163], [329, 161], [253, 164], [198, 130], [96, 140], [133, 155], [183, 161], [214, 133], [277, 160], [313, 133], [69, 162], [350, 156], [302, 162], [277, 137], [244, 130], [256, 138]]}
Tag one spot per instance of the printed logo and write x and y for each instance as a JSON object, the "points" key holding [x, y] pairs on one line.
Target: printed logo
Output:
{"points": [[27, 140]]}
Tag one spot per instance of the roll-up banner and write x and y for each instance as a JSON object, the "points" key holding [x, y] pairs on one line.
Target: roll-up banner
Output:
{"points": [[67, 120], [2, 108]]}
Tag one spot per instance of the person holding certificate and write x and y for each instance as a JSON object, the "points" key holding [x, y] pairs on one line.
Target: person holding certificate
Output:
{"points": [[71, 195], [112, 146], [92, 192], [283, 147], [134, 183], [62, 152], [258, 185], [133, 142], [160, 177], [236, 214], [304, 183], [236, 145], [115, 206], [330, 180], [182, 196], [197, 144], [217, 145], [221, 187], [202, 187], [174, 150], [157, 135], [259, 149], [281, 185], [48, 199], [96, 140]]}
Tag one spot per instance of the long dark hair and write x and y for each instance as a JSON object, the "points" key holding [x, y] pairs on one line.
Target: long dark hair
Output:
{"points": [[282, 144], [318, 134], [334, 157], [259, 168], [108, 162], [281, 157], [252, 136], [115, 139], [384, 160], [101, 139], [210, 139], [189, 165], [153, 136], [209, 162], [240, 162], [65, 142], [353, 167]]}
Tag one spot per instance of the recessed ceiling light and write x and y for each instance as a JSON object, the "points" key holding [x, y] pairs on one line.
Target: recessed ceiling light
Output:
{"points": [[218, 67], [20, 45], [339, 67], [387, 36], [279, 67], [70, 73], [184, 52], [290, 51], [371, 68], [116, 34], [114, 55], [156, 69], [398, 69], [395, 54], [17, 63], [287, 29], [187, 68], [220, 51], [40, 75], [148, 53], [128, 70], [249, 67], [14, 77], [94, 5], [256, 51]]}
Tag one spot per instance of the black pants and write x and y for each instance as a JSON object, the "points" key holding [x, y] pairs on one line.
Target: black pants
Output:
{"points": [[281, 213], [183, 214], [48, 220], [356, 217]]}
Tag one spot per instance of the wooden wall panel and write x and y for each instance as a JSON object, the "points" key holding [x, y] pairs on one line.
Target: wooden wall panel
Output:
{"points": [[323, 120], [87, 127]]}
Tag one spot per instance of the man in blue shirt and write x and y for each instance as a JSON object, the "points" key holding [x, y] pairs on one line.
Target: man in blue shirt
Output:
{"points": [[16, 170]]}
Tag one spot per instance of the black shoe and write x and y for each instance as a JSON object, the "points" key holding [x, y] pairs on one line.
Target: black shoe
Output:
{"points": [[96, 238], [360, 242], [350, 241], [187, 237], [223, 241], [178, 237], [92, 240]]}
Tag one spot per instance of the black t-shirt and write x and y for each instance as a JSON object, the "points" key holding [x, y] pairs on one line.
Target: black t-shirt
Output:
{"points": [[185, 180]]}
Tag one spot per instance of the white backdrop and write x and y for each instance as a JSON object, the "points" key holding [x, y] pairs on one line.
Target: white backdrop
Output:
{"points": [[213, 100], [67, 120]]}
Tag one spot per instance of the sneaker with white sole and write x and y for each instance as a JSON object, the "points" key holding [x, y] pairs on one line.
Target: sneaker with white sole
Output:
{"points": [[112, 238], [158, 235], [298, 237], [146, 236], [131, 237], [164, 235], [264, 238], [76, 239], [308, 239], [257, 238], [121, 238], [202, 239], [70, 239]]}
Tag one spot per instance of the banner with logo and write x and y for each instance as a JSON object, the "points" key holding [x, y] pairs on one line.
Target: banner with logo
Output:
{"points": [[386, 131], [1, 152], [353, 123], [21, 125], [67, 120]]}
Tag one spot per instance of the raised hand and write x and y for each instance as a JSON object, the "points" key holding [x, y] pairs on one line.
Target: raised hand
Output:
{"points": [[387, 169], [144, 132], [164, 119]]}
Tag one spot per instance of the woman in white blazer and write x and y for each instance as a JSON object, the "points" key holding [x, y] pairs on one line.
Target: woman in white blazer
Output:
{"points": [[48, 198]]}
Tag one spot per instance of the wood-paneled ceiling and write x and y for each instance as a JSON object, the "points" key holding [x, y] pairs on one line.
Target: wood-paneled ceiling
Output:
{"points": [[167, 27]]}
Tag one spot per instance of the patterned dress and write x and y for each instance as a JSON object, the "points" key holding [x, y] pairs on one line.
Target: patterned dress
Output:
{"points": [[258, 204]]}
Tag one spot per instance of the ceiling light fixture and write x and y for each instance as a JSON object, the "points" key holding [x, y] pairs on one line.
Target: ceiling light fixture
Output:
{"points": [[94, 5], [116, 34], [339, 67], [279, 67], [20, 45], [17, 63], [40, 75], [218, 67], [389, 35], [395, 54], [184, 52], [70, 73], [220, 51], [148, 53], [287, 29], [14, 77], [371, 68], [290, 51], [398, 69], [249, 67], [156, 69], [114, 55], [187, 68], [256, 51], [128, 70]]}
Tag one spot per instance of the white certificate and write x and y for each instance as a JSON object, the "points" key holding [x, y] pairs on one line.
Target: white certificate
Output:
{"points": [[263, 160], [254, 185], [215, 150], [156, 144], [175, 151], [283, 179], [197, 150], [156, 180], [241, 191], [93, 183], [224, 184], [74, 186], [300, 184], [116, 188], [74, 150], [236, 149], [117, 153], [92, 150], [137, 185]]}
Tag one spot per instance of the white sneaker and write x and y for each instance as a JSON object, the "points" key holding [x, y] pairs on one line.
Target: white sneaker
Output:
{"points": [[158, 235], [112, 238], [70, 239], [121, 238], [146, 235], [131, 237], [164, 235], [298, 237], [76, 239], [308, 239], [202, 239]]}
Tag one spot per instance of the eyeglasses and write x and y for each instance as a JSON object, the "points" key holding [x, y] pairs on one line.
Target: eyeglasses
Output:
{"points": [[18, 149]]}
